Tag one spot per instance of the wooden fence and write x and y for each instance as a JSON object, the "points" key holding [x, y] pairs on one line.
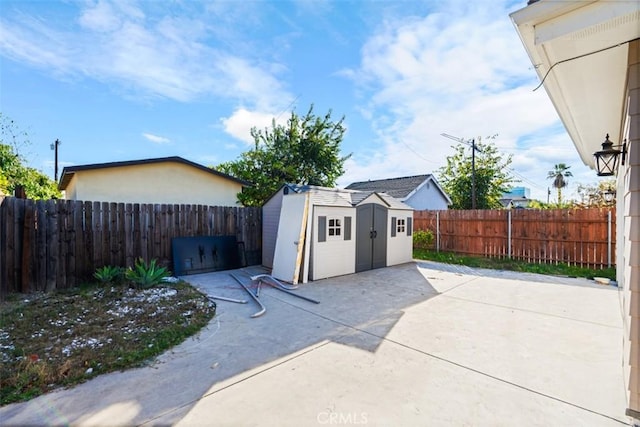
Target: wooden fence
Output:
{"points": [[57, 244], [581, 237]]}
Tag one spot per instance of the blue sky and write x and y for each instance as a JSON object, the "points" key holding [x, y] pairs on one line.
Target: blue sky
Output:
{"points": [[126, 80]]}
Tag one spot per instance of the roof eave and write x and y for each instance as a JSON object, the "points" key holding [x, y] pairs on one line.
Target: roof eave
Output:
{"points": [[572, 46]]}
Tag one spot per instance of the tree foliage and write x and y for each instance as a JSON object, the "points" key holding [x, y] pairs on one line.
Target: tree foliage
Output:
{"points": [[492, 177], [304, 151], [558, 174], [593, 195], [14, 172]]}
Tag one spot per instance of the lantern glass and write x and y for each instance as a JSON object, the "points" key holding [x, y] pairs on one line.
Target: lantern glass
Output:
{"points": [[606, 159], [609, 195]]}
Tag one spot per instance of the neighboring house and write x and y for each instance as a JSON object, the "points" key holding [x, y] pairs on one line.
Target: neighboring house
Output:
{"points": [[516, 198], [311, 233], [171, 180], [421, 192], [587, 54]]}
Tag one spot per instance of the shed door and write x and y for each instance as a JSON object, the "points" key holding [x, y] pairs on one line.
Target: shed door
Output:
{"points": [[287, 258], [371, 237]]}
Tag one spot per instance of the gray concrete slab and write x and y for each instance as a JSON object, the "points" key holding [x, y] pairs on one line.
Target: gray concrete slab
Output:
{"points": [[416, 344]]}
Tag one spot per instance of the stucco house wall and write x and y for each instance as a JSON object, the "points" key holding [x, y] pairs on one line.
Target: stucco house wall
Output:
{"points": [[169, 180]]}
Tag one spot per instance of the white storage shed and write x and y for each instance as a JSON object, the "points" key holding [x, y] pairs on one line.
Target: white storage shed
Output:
{"points": [[311, 232]]}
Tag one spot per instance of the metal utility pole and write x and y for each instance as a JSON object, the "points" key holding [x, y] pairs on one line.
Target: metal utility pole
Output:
{"points": [[54, 147], [472, 144]]}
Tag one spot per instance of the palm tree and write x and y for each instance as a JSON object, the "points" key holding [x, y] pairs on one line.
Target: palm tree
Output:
{"points": [[558, 174]]}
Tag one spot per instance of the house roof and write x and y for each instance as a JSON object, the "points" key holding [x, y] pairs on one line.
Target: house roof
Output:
{"points": [[579, 50], [69, 171], [401, 188]]}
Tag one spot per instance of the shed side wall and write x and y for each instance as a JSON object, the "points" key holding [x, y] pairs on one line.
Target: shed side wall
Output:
{"points": [[335, 256], [270, 220], [400, 246]]}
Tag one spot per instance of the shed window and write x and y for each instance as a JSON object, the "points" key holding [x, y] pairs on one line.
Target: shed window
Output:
{"points": [[400, 226], [334, 227], [347, 228]]}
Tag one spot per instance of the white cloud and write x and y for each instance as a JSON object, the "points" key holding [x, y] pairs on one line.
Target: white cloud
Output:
{"points": [[156, 139], [466, 75], [239, 124], [149, 56]]}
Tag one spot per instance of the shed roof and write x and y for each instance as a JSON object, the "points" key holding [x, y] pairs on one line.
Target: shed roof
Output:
{"points": [[326, 196], [69, 171]]}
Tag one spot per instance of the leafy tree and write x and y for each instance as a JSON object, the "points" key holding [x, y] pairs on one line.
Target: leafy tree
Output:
{"points": [[492, 177], [13, 172], [304, 151], [558, 175], [593, 195]]}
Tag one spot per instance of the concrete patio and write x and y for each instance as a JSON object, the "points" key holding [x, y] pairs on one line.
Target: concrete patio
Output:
{"points": [[416, 344]]}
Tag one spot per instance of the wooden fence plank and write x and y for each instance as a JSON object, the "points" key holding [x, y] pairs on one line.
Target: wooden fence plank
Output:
{"points": [[79, 248], [4, 288], [98, 260], [28, 249], [128, 236], [119, 246], [52, 245], [41, 247], [61, 270]]}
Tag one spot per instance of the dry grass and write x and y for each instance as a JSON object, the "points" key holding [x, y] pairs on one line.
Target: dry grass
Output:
{"points": [[59, 339]]}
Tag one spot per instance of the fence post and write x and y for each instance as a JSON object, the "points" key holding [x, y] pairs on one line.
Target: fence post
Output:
{"points": [[437, 231], [609, 239], [509, 233]]}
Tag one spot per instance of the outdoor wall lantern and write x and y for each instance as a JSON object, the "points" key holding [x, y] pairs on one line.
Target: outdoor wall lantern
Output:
{"points": [[609, 195], [607, 158]]}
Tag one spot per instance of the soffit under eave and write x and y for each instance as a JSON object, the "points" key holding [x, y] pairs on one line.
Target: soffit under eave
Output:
{"points": [[588, 93]]}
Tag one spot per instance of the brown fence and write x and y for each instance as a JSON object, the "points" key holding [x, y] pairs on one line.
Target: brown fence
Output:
{"points": [[581, 237], [56, 244]]}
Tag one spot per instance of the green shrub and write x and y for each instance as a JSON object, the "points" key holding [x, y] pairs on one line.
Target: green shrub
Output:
{"points": [[144, 275], [108, 274], [422, 239]]}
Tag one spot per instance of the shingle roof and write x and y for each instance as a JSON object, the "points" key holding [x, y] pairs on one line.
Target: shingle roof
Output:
{"points": [[326, 196], [395, 187]]}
